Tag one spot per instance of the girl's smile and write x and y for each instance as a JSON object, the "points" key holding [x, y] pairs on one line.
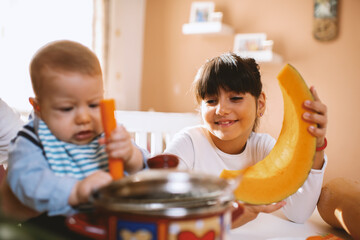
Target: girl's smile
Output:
{"points": [[225, 123], [229, 117]]}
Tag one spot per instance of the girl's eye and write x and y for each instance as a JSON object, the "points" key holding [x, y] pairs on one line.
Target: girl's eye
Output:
{"points": [[237, 98], [210, 101]]}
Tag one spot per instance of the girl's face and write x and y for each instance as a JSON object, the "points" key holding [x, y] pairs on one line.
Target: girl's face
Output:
{"points": [[69, 105], [230, 117]]}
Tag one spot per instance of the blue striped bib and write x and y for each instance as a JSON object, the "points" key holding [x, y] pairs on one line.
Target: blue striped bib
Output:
{"points": [[67, 159]]}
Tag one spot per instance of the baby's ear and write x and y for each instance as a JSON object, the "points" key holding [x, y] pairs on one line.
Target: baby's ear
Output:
{"points": [[35, 105]]}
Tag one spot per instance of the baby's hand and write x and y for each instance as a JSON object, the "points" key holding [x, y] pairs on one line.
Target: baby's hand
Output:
{"points": [[83, 189], [119, 144], [317, 115]]}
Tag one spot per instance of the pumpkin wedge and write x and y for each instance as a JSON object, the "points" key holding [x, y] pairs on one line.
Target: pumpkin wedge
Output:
{"points": [[287, 166]]}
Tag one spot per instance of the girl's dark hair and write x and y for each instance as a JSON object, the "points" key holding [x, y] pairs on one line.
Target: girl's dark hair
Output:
{"points": [[229, 72]]}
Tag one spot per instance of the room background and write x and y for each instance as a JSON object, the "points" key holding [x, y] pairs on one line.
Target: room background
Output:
{"points": [[149, 64], [171, 59]]}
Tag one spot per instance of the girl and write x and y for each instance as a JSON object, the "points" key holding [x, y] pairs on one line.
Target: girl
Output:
{"points": [[229, 92]]}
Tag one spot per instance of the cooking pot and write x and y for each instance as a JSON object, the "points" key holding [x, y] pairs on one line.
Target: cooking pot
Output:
{"points": [[160, 204]]}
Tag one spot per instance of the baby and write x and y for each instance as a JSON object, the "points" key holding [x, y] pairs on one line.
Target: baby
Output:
{"points": [[59, 158]]}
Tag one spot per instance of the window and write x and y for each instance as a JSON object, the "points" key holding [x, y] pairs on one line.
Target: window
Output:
{"points": [[25, 26]]}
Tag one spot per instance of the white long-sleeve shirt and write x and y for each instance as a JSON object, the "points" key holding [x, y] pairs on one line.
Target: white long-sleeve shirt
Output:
{"points": [[197, 152], [10, 124]]}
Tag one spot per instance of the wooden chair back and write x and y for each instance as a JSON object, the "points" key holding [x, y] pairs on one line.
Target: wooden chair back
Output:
{"points": [[154, 130]]}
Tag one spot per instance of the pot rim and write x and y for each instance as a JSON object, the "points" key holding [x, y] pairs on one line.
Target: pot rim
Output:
{"points": [[185, 193]]}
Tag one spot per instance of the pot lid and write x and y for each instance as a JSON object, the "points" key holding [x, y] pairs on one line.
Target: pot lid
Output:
{"points": [[169, 192]]}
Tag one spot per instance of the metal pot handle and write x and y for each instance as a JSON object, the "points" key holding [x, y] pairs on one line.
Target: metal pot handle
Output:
{"points": [[81, 223]]}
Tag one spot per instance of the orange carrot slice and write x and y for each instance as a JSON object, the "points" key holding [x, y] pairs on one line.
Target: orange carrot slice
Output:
{"points": [[328, 236]]}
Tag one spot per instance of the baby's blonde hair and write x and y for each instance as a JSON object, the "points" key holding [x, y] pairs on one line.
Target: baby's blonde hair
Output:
{"points": [[64, 55]]}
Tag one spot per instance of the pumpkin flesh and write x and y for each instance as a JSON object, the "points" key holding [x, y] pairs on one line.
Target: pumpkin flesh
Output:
{"points": [[287, 166]]}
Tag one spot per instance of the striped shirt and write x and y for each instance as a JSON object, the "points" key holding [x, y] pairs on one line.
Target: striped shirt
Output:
{"points": [[67, 159]]}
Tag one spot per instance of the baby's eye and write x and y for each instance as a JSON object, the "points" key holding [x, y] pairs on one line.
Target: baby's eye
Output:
{"points": [[94, 105], [66, 109]]}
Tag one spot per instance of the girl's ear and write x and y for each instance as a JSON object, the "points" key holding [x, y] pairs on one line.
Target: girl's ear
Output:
{"points": [[261, 104], [35, 105]]}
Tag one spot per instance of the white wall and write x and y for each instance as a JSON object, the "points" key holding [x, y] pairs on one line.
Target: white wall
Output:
{"points": [[125, 56]]}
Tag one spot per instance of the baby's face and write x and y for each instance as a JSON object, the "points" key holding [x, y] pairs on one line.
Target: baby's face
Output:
{"points": [[69, 105]]}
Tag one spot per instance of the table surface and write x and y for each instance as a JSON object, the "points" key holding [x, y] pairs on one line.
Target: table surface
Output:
{"points": [[276, 226]]}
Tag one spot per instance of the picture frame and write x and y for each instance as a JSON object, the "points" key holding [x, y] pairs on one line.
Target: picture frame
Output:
{"points": [[325, 8], [201, 11], [249, 42]]}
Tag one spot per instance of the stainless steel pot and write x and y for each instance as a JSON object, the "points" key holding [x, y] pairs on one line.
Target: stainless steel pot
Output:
{"points": [[161, 204]]}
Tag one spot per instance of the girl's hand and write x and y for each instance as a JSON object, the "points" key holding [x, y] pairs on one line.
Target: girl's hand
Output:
{"points": [[317, 114], [84, 188], [252, 211]]}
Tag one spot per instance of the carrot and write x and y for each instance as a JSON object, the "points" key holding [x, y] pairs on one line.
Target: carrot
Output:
{"points": [[328, 236], [315, 238], [107, 106]]}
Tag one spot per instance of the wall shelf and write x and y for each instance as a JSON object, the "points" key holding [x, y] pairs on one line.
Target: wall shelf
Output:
{"points": [[216, 28], [262, 56]]}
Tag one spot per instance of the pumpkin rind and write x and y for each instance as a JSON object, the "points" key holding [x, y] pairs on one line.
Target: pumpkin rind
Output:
{"points": [[287, 166], [339, 205]]}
